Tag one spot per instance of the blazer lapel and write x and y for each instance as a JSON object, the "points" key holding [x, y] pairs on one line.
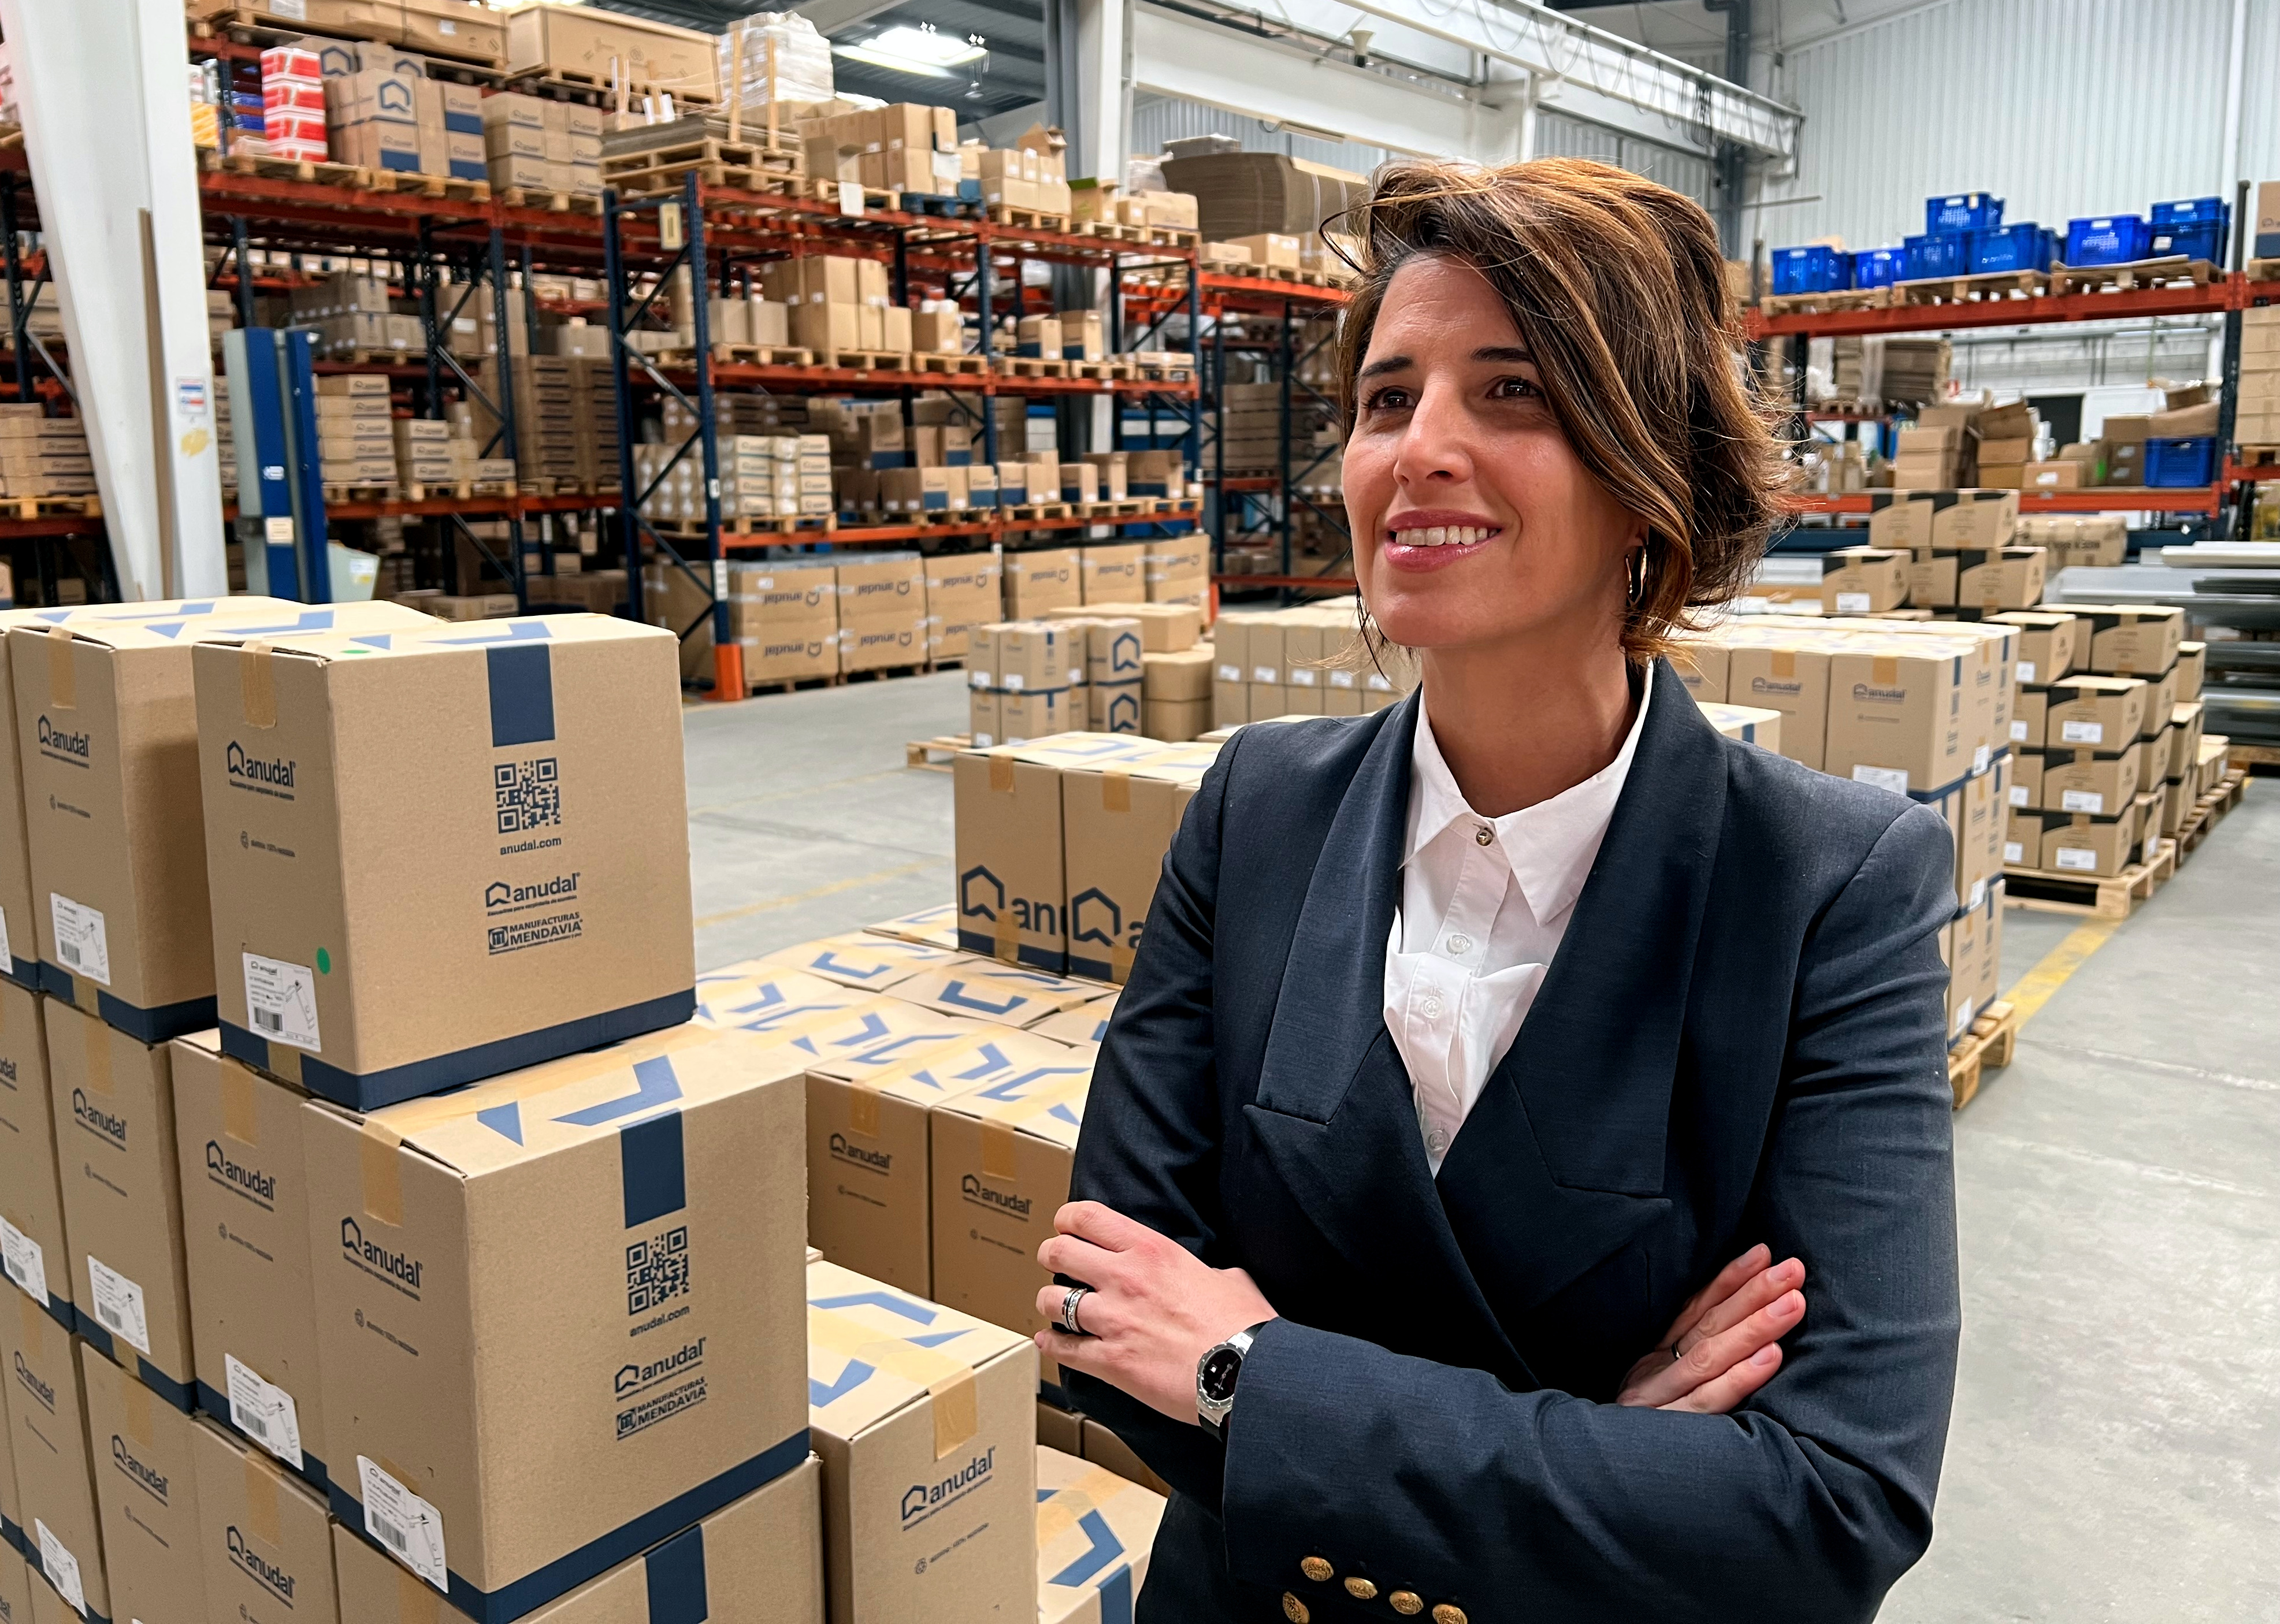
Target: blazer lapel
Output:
{"points": [[1562, 1160], [1333, 1109]]}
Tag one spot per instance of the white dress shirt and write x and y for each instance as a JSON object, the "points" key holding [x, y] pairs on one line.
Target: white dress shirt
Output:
{"points": [[1484, 903]]}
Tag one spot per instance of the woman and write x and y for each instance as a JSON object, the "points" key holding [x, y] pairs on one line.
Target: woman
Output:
{"points": [[1466, 1040]]}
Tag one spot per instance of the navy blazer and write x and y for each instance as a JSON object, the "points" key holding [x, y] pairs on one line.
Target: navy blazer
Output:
{"points": [[1741, 1039]]}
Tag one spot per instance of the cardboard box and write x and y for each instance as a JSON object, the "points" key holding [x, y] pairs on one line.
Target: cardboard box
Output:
{"points": [[1041, 579], [985, 717], [979, 989], [1058, 1428], [1793, 682], [1702, 665], [540, 760], [1104, 1448], [2192, 668], [2131, 640], [1118, 820], [2047, 643], [926, 1421], [2022, 839], [1111, 574], [1864, 579], [146, 1494], [1011, 876], [2097, 847], [869, 1205], [1113, 707], [756, 1560], [55, 1476], [1095, 1531], [263, 1539], [2160, 700], [114, 1106], [106, 740], [758, 997], [1033, 655], [2098, 713], [2028, 725], [34, 1242], [245, 1229], [2081, 781], [1899, 518], [601, 1252], [1896, 717], [17, 1585], [861, 959]]}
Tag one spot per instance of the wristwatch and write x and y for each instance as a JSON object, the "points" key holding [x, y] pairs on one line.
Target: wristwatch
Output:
{"points": [[1216, 1375]]}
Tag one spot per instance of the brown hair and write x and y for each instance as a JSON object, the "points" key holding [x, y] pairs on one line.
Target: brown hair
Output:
{"points": [[1618, 287]]}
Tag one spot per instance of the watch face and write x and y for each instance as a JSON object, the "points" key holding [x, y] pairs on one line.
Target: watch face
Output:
{"points": [[1221, 1366]]}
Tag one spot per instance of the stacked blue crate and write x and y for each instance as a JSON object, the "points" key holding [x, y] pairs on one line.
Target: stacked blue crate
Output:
{"points": [[2023, 247], [1946, 253], [2195, 227], [2106, 239], [1812, 269], [1961, 211], [1878, 267]]}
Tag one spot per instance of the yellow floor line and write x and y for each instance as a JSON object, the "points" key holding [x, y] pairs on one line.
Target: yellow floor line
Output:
{"points": [[829, 889], [2034, 990]]}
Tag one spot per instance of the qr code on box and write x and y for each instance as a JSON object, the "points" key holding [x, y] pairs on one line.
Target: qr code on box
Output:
{"points": [[656, 1270], [529, 794]]}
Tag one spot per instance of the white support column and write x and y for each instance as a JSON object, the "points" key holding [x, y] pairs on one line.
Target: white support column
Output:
{"points": [[104, 86], [1100, 127]]}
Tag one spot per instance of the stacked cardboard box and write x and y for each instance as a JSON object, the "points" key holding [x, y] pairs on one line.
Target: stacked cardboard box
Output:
{"points": [[905, 147], [2100, 540], [1240, 194], [1176, 569], [836, 301], [882, 610], [1021, 676], [1286, 662], [533, 143], [1914, 371], [2256, 420], [761, 476], [609, 49], [43, 455], [1245, 429], [962, 592], [293, 104], [356, 443], [1173, 672]]}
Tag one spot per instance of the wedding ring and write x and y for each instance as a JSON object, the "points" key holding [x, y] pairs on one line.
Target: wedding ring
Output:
{"points": [[1069, 1301]]}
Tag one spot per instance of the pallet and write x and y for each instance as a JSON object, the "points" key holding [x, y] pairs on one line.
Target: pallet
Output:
{"points": [[1032, 366], [1989, 287], [1822, 304], [716, 159], [867, 361], [317, 170], [461, 490], [568, 84], [547, 199], [2137, 274], [360, 493], [827, 190], [1032, 220], [1989, 1045], [801, 524], [52, 507], [1129, 507], [247, 27], [934, 754], [2046, 890], [933, 205], [2256, 456], [2262, 759], [943, 361], [881, 674], [1165, 374], [1033, 513], [358, 355], [409, 183], [749, 355], [2262, 270]]}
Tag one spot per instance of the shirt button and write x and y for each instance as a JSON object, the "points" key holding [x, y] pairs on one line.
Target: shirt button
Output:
{"points": [[1430, 1008], [1484, 836], [1460, 945], [1438, 1142]]}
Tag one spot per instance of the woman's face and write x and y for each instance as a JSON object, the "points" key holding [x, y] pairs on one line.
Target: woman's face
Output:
{"points": [[1473, 522]]}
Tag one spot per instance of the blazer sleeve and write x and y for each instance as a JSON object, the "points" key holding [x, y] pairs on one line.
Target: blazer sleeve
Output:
{"points": [[1806, 1504], [1150, 1148]]}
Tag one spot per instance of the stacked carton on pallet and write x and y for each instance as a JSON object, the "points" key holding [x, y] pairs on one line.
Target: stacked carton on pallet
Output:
{"points": [[43, 455]]}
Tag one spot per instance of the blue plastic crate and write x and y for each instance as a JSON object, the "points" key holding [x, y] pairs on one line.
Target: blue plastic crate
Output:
{"points": [[2173, 462], [2023, 247], [2106, 239], [2188, 212], [1962, 212], [1813, 269], [1878, 267], [1938, 254], [2206, 240]]}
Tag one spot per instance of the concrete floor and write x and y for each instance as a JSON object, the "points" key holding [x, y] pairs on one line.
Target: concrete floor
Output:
{"points": [[2115, 1451]]}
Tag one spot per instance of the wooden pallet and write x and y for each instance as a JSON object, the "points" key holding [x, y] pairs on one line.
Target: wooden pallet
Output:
{"points": [[2262, 759], [1032, 366], [1032, 220], [2166, 272], [1822, 304], [1033, 513], [360, 355], [1128, 507], [1985, 288], [867, 361], [548, 199], [2047, 891], [2262, 270], [2256, 456], [943, 361], [570, 84], [360, 493], [1989, 1045], [934, 754], [247, 27], [1165, 374], [52, 507], [460, 490], [881, 674], [793, 685], [753, 164], [747, 355], [827, 190], [305, 169], [797, 525]]}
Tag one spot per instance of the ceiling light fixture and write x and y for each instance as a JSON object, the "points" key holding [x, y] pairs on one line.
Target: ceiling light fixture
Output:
{"points": [[919, 50]]}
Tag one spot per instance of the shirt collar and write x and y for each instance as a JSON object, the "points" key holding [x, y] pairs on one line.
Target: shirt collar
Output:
{"points": [[1550, 845]]}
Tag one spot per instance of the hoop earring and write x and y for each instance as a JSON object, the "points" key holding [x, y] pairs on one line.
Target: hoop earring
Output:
{"points": [[1636, 589]]}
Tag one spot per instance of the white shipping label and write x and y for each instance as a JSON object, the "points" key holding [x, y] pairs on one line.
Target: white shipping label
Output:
{"points": [[298, 10], [2076, 858], [6, 958], [1894, 779], [2018, 795], [1266, 674], [1962, 1018], [946, 167], [119, 1303], [1978, 894], [1980, 759], [61, 1567], [2015, 851], [264, 1412], [851, 197], [1013, 683], [977, 679], [80, 942], [2018, 732], [2081, 801], [1301, 678], [2026, 671], [1342, 679], [26, 1263], [278, 531], [2081, 733], [281, 1002], [405, 1524], [1230, 673], [1853, 603]]}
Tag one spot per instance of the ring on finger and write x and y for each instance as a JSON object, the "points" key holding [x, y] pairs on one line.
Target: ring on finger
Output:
{"points": [[1070, 1298]]}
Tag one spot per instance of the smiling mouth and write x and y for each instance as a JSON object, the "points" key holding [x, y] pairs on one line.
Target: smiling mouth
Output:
{"points": [[1442, 535]]}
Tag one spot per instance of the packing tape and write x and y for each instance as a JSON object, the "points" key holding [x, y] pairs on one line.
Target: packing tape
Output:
{"points": [[239, 1120], [383, 1172], [261, 1496], [63, 677], [138, 1412], [34, 1313], [1006, 936], [1784, 663], [1120, 963], [1001, 769], [1116, 790], [285, 1060], [863, 1108], [948, 1380], [99, 1054], [413, 1116], [999, 1141], [256, 683], [1062, 1509], [1884, 670], [416, 1601], [957, 1410]]}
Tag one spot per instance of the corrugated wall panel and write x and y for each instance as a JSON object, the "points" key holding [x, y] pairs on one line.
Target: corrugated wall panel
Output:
{"points": [[2062, 107], [1158, 119], [1558, 135]]}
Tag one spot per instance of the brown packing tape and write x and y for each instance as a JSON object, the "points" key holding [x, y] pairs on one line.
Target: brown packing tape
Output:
{"points": [[1062, 1508], [261, 1496], [285, 1061], [238, 1118], [63, 679], [863, 1110], [1116, 790], [256, 683], [1001, 772], [1784, 663], [998, 1140], [1006, 936], [138, 1412], [948, 1380], [1884, 669], [379, 1151], [956, 1410], [98, 1038], [1120, 963]]}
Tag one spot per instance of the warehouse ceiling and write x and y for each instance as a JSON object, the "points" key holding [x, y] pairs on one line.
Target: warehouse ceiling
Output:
{"points": [[1009, 73]]}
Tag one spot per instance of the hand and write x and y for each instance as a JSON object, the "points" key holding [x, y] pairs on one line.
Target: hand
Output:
{"points": [[1725, 1343], [1155, 1308]]}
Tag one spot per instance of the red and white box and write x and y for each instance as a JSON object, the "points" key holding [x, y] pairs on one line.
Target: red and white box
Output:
{"points": [[290, 62]]}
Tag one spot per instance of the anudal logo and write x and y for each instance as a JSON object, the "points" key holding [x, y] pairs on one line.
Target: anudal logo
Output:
{"points": [[275, 1578], [277, 772], [95, 1117], [878, 1161], [1004, 1201], [250, 1180], [921, 1499], [394, 1265], [148, 1476], [501, 897], [29, 1379], [633, 1378], [58, 739]]}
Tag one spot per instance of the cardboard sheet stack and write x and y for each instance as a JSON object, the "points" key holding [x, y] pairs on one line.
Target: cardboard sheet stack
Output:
{"points": [[1915, 370], [1241, 194], [43, 455]]}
